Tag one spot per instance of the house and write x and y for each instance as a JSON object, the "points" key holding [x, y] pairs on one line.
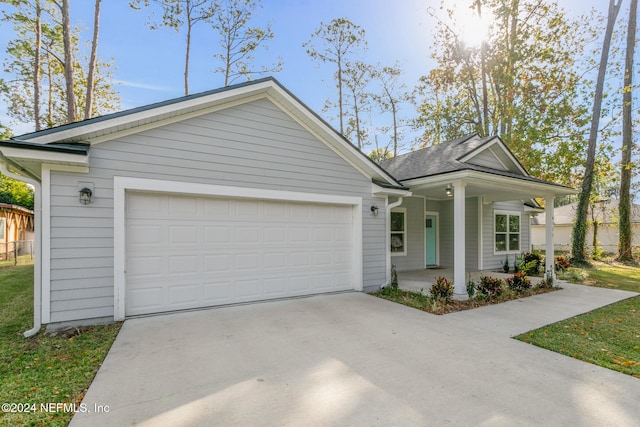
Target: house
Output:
{"points": [[243, 194], [605, 213], [16, 230]]}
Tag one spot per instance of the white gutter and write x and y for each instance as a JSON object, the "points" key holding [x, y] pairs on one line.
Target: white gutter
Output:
{"points": [[37, 267], [388, 243]]}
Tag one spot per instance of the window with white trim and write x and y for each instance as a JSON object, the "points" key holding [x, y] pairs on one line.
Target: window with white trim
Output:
{"points": [[506, 232], [398, 231]]}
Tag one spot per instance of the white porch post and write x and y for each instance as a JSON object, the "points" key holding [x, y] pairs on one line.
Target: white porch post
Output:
{"points": [[549, 266], [459, 257]]}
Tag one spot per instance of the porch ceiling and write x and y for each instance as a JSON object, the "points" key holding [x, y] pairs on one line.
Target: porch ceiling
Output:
{"points": [[493, 188]]}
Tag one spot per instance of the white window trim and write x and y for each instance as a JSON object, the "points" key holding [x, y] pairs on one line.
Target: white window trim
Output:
{"points": [[404, 232], [508, 213]]}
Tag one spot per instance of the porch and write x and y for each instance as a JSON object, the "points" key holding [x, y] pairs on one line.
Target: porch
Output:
{"points": [[416, 280]]}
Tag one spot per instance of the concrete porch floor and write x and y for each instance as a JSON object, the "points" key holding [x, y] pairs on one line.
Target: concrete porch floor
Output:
{"points": [[416, 280]]}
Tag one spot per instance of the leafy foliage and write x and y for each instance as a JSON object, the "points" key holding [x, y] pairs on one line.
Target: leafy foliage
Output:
{"points": [[19, 90], [518, 282], [521, 83], [15, 192], [336, 42], [442, 289], [490, 287], [238, 40]]}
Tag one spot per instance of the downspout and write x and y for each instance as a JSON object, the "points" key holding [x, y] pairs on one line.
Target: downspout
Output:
{"points": [[37, 231], [388, 233]]}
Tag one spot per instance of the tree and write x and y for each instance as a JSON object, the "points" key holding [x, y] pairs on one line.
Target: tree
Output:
{"points": [[92, 61], [624, 226], [335, 43], [391, 96], [5, 132], [178, 13], [356, 77], [36, 91], [15, 192], [579, 229], [238, 40], [379, 154], [520, 83], [68, 60]]}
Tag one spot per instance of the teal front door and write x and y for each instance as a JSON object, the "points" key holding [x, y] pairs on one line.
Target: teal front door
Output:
{"points": [[430, 239]]}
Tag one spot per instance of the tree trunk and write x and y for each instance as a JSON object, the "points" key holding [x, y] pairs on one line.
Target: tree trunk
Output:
{"points": [[340, 95], [188, 52], [68, 62], [624, 226], [88, 107], [580, 227], [36, 68]]}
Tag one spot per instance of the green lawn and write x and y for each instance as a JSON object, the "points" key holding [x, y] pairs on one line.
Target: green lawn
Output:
{"points": [[43, 369], [609, 336]]}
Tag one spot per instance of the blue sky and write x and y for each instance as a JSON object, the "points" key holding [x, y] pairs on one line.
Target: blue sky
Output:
{"points": [[149, 64]]}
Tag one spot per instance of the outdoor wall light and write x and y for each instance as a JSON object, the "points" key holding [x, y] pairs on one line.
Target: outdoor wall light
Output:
{"points": [[374, 210], [85, 196], [448, 191]]}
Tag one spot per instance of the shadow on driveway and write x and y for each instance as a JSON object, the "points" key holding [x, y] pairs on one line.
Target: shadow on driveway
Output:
{"points": [[353, 359]]}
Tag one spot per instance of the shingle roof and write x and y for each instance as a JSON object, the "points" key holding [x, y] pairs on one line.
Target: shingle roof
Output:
{"points": [[433, 160]]}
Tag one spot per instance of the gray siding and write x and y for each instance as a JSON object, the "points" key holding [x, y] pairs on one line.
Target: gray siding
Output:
{"points": [[488, 159], [252, 145], [414, 259], [491, 260]]}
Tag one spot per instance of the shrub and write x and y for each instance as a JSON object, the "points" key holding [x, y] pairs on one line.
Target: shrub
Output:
{"points": [[562, 263], [546, 283], [471, 288], [505, 265], [490, 286], [518, 282], [532, 262], [442, 289], [518, 263]]}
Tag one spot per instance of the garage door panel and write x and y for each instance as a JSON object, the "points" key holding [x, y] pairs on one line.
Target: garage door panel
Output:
{"points": [[189, 252]]}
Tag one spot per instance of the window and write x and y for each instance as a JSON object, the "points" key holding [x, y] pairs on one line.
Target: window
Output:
{"points": [[2, 228], [507, 232], [399, 231]]}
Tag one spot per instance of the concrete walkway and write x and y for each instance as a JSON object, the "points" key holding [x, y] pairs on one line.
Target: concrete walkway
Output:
{"points": [[353, 359]]}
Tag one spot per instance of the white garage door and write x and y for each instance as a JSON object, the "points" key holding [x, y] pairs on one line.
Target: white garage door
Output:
{"points": [[187, 252]]}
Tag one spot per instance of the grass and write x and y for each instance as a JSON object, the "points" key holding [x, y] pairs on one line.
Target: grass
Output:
{"points": [[45, 368], [607, 337]]}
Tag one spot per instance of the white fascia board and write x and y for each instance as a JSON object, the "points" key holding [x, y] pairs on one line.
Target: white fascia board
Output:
{"points": [[45, 156], [504, 181], [376, 190], [170, 110]]}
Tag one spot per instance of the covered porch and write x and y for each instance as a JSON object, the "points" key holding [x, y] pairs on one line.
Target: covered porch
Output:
{"points": [[421, 280], [474, 198]]}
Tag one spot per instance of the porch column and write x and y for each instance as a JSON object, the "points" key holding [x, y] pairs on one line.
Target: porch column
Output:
{"points": [[459, 256], [549, 266]]}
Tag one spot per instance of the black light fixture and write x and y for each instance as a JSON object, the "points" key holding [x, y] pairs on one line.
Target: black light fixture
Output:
{"points": [[449, 190], [374, 210], [85, 195]]}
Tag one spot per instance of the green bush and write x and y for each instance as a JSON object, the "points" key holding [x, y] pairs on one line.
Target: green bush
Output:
{"points": [[442, 289], [490, 286], [518, 282], [533, 262]]}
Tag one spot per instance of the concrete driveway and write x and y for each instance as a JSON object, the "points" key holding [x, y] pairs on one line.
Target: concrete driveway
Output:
{"points": [[353, 359]]}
